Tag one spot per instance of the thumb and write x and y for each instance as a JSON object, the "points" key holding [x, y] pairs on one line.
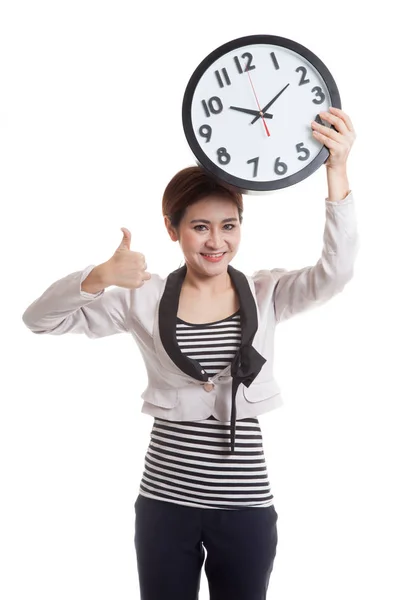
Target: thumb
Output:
{"points": [[126, 240]]}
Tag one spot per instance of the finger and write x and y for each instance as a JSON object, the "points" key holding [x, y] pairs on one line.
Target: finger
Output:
{"points": [[327, 141], [126, 240], [344, 116], [142, 260], [336, 121], [146, 275], [327, 132]]}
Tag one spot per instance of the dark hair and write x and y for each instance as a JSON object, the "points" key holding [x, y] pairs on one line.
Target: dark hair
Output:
{"points": [[190, 185]]}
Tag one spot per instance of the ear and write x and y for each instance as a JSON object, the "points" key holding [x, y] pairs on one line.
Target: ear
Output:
{"points": [[171, 230]]}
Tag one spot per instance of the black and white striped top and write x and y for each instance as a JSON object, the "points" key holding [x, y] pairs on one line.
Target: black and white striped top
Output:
{"points": [[188, 462]]}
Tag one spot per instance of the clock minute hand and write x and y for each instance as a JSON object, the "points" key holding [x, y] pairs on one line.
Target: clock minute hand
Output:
{"points": [[266, 107], [251, 112]]}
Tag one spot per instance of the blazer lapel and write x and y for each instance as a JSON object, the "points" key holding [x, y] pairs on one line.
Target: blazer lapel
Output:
{"points": [[245, 359], [167, 313]]}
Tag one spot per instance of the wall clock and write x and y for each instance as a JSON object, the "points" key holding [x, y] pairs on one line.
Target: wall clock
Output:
{"points": [[247, 112]]}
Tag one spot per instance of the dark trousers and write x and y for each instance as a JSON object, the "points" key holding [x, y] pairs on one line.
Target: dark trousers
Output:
{"points": [[170, 541]]}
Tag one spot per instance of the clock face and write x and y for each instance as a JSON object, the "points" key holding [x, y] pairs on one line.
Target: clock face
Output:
{"points": [[248, 108]]}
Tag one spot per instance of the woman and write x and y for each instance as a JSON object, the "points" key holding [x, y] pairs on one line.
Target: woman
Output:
{"points": [[206, 336]]}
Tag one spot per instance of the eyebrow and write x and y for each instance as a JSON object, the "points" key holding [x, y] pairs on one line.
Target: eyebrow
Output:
{"points": [[209, 222]]}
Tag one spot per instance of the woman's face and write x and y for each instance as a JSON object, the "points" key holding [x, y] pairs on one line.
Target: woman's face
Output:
{"points": [[208, 229]]}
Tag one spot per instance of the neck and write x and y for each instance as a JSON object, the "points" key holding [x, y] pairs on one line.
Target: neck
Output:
{"points": [[210, 285]]}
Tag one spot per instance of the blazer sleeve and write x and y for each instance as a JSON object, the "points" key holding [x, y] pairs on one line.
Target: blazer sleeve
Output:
{"points": [[299, 290], [65, 308]]}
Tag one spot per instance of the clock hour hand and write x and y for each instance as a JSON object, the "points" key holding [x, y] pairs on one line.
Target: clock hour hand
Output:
{"points": [[266, 107], [251, 112]]}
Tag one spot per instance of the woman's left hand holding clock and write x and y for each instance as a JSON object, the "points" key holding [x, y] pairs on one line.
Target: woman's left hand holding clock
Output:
{"points": [[338, 140]]}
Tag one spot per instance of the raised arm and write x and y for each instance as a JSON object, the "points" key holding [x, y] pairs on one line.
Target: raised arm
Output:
{"points": [[299, 290], [302, 289]]}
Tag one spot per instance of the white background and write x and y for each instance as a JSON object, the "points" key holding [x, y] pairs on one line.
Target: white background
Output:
{"points": [[90, 119]]}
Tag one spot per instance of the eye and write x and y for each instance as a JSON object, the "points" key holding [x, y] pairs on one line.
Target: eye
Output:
{"points": [[230, 225]]}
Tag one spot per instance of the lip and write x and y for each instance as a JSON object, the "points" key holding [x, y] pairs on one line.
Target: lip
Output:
{"points": [[213, 258]]}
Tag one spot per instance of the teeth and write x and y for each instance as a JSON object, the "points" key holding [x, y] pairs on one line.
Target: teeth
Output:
{"points": [[214, 255]]}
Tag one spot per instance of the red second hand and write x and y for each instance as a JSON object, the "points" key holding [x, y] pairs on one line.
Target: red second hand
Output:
{"points": [[258, 104]]}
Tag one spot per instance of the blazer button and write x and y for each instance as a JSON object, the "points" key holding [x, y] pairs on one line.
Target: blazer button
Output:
{"points": [[208, 387]]}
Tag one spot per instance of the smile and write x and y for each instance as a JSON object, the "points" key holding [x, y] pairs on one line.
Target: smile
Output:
{"points": [[213, 257]]}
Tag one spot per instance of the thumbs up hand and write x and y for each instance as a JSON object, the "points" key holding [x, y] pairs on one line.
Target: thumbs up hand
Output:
{"points": [[126, 268]]}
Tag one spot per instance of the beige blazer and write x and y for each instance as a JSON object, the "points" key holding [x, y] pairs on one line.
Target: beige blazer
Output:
{"points": [[175, 389]]}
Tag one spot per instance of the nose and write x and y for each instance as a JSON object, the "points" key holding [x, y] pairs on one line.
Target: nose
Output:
{"points": [[215, 239]]}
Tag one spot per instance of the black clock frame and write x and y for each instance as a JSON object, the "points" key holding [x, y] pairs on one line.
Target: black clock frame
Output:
{"points": [[246, 185]]}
